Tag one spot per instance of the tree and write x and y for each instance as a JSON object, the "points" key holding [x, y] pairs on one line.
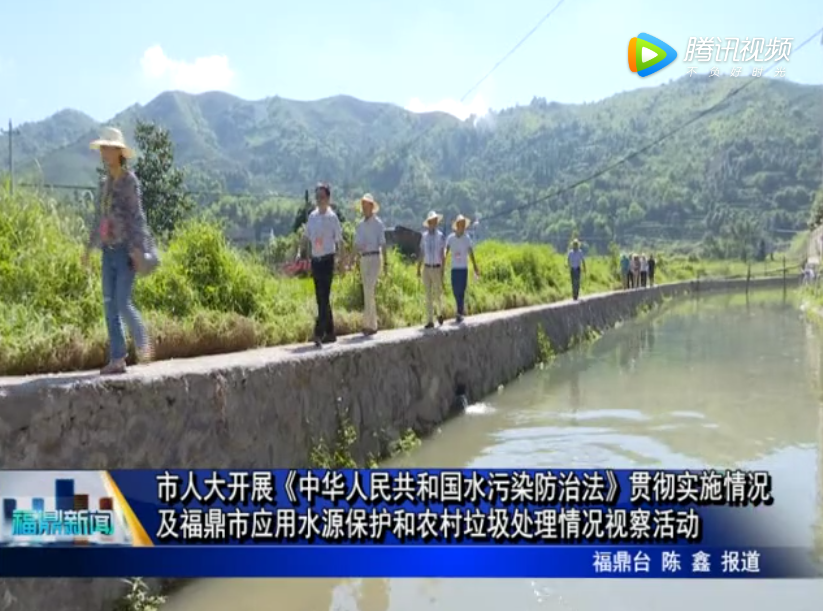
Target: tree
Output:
{"points": [[164, 197]]}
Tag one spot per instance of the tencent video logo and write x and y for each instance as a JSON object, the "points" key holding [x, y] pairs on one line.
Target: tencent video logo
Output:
{"points": [[648, 54]]}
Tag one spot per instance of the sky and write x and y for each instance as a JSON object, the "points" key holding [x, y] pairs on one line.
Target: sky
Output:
{"points": [[101, 57]]}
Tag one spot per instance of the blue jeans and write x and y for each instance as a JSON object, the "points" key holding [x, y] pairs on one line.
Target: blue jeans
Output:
{"points": [[118, 282], [460, 280]]}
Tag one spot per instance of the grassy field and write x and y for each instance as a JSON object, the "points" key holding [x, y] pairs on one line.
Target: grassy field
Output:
{"points": [[207, 298]]}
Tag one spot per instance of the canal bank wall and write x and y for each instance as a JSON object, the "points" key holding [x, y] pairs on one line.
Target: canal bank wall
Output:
{"points": [[273, 408]]}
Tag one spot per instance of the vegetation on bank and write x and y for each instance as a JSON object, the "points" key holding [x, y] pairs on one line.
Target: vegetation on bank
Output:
{"points": [[139, 597], [208, 298]]}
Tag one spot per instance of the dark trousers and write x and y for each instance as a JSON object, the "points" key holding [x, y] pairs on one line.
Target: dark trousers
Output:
{"points": [[322, 271], [651, 276], [575, 282], [460, 280], [643, 277], [630, 279]]}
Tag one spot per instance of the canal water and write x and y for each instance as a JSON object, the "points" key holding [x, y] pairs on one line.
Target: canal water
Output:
{"points": [[721, 381]]}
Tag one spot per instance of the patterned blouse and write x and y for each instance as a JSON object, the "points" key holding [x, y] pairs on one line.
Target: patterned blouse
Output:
{"points": [[119, 217]]}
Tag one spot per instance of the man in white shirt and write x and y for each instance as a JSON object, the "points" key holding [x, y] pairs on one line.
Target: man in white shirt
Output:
{"points": [[370, 242], [459, 244], [577, 264], [325, 237], [430, 262]]}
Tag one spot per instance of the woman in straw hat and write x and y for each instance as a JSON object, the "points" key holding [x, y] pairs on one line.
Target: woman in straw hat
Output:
{"points": [[370, 242], [459, 244], [120, 231], [430, 262]]}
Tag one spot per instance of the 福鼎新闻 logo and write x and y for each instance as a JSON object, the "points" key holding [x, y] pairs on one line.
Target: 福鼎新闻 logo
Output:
{"points": [[648, 54]]}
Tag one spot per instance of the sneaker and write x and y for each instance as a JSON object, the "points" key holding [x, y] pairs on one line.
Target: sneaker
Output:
{"points": [[458, 319], [317, 341], [114, 368], [440, 320], [368, 332], [329, 339], [146, 354], [429, 325]]}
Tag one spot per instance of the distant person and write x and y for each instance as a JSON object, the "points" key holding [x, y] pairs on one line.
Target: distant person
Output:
{"points": [[370, 242], [459, 244], [430, 261], [636, 270], [652, 267], [808, 274], [577, 265], [644, 270], [624, 270], [121, 232], [325, 237]]}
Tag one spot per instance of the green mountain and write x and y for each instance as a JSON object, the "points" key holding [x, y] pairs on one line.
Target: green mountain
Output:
{"points": [[749, 170]]}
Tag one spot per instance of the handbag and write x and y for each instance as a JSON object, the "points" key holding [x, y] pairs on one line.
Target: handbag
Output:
{"points": [[150, 260]]}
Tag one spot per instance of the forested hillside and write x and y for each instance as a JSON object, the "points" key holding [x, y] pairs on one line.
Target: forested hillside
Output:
{"points": [[744, 174]]}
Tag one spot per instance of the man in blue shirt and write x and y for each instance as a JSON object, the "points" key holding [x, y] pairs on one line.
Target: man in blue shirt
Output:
{"points": [[577, 264], [624, 269]]}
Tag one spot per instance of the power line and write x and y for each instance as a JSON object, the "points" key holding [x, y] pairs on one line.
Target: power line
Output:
{"points": [[404, 147], [511, 51], [647, 146]]}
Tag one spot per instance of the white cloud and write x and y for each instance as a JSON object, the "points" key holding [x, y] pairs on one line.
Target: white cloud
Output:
{"points": [[477, 107], [210, 73]]}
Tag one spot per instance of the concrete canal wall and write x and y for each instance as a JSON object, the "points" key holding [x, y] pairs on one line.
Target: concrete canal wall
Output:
{"points": [[270, 408]]}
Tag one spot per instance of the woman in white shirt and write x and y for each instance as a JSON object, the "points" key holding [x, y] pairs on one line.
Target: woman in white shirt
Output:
{"points": [[459, 244]]}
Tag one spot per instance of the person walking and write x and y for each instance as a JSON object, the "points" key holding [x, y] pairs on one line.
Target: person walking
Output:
{"points": [[120, 230], [652, 267], [624, 270], [325, 237], [459, 244], [644, 270], [577, 265], [430, 260], [370, 242]]}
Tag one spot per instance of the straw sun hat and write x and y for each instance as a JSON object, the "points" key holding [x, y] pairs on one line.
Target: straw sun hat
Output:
{"points": [[461, 219], [432, 216], [368, 197], [112, 137]]}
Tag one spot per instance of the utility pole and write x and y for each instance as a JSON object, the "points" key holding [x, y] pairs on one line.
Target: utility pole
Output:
{"points": [[11, 159]]}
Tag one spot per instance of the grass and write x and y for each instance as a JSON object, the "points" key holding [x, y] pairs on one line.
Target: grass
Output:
{"points": [[207, 298], [139, 598]]}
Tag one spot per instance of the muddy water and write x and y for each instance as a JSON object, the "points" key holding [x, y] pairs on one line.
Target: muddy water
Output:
{"points": [[722, 381]]}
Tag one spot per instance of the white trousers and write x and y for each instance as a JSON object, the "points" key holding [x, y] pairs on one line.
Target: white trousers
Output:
{"points": [[433, 283], [370, 272]]}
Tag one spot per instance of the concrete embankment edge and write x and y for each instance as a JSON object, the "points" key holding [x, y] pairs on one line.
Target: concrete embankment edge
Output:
{"points": [[269, 408]]}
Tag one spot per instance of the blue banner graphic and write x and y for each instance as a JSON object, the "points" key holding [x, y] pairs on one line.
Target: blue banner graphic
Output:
{"points": [[394, 523]]}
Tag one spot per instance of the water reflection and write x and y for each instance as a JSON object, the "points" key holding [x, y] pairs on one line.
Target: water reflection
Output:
{"points": [[721, 381]]}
